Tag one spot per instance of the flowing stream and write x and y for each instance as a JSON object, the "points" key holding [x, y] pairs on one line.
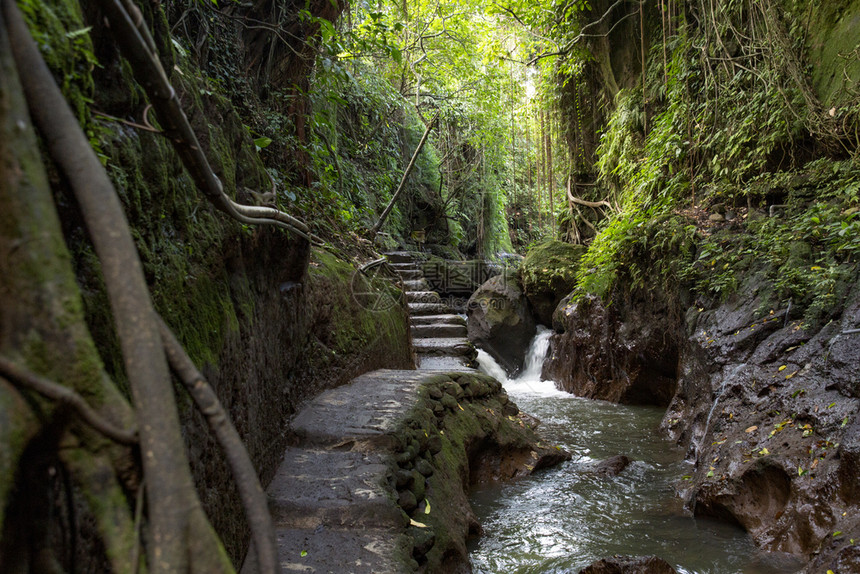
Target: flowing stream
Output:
{"points": [[564, 518]]}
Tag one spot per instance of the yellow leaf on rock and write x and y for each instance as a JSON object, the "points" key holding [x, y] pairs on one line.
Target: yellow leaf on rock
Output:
{"points": [[782, 368], [414, 522], [751, 429]]}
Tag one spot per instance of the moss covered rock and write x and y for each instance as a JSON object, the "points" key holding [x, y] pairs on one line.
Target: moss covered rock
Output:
{"points": [[548, 273], [500, 321]]}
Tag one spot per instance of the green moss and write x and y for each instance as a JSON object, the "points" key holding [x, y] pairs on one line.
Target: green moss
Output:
{"points": [[358, 312], [59, 30], [551, 267], [832, 39]]}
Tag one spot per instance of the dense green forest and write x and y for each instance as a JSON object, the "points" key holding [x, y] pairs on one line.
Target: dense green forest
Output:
{"points": [[224, 164]]}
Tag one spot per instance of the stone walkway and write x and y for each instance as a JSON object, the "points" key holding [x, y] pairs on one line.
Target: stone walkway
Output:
{"points": [[331, 500], [438, 333], [369, 456]]}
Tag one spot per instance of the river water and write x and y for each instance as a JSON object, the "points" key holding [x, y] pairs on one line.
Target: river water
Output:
{"points": [[562, 519]]}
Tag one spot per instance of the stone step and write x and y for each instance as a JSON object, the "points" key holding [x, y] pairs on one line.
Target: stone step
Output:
{"points": [[400, 257], [448, 319], [445, 347], [416, 285], [404, 266], [434, 363], [315, 487], [438, 330], [418, 309], [423, 297], [324, 550], [407, 274]]}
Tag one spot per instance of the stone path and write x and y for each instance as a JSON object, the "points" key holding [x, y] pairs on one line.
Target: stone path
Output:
{"points": [[438, 333], [331, 500], [337, 499]]}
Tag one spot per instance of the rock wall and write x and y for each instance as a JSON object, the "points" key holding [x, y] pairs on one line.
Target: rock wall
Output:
{"points": [[767, 407], [620, 352], [270, 322]]}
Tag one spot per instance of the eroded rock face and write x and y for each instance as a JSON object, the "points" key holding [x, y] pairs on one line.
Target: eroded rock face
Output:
{"points": [[620, 353], [630, 565], [768, 408], [501, 322]]}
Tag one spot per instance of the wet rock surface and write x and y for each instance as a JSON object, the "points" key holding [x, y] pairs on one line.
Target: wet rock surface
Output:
{"points": [[376, 478], [622, 351], [501, 322], [766, 405], [630, 565], [612, 466]]}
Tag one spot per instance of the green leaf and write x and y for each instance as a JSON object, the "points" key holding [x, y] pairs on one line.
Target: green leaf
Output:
{"points": [[75, 33], [304, 553], [262, 142]]}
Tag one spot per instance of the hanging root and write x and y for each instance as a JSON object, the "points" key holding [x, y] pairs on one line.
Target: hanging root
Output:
{"points": [[126, 25], [180, 536], [250, 491], [23, 378]]}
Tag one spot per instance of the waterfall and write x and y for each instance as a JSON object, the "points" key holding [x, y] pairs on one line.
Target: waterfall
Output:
{"points": [[529, 380]]}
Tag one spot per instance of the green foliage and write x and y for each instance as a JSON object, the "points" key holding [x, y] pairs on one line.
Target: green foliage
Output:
{"points": [[730, 131], [809, 255]]}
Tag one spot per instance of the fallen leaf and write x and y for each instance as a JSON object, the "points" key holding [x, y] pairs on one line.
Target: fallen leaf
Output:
{"points": [[304, 553], [782, 368], [427, 507], [751, 429], [414, 522]]}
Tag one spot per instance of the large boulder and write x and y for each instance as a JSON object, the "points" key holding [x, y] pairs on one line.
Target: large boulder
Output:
{"points": [[619, 352], [629, 565], [548, 273], [501, 321]]}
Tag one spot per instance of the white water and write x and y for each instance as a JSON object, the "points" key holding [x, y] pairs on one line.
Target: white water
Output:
{"points": [[528, 382], [561, 519]]}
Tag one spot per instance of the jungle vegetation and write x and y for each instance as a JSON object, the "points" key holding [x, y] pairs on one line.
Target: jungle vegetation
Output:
{"points": [[682, 141]]}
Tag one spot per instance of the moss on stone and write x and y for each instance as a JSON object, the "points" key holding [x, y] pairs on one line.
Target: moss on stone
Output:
{"points": [[456, 416], [832, 38], [549, 273]]}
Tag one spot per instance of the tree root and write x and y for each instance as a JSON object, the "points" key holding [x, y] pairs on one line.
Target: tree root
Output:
{"points": [[138, 48], [250, 491], [49, 389], [176, 521]]}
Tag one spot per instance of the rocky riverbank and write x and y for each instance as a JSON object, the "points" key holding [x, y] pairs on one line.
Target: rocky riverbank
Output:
{"points": [[766, 406]]}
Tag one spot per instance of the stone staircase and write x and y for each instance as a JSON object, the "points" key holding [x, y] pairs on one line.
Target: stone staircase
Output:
{"points": [[438, 333]]}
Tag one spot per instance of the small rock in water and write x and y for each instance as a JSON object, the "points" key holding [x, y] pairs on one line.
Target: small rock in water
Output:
{"points": [[629, 565], [612, 466]]}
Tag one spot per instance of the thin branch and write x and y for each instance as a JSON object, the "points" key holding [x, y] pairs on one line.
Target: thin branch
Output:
{"points": [[22, 377], [147, 127], [582, 33], [375, 229], [250, 491]]}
